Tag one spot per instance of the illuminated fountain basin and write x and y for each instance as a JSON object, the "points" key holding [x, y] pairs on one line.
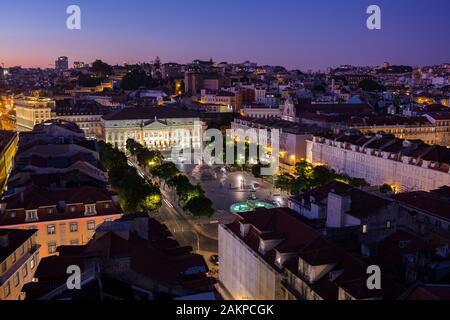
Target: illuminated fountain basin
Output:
{"points": [[249, 206]]}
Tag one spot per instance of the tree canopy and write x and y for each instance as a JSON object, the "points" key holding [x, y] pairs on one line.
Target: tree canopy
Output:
{"points": [[101, 69], [135, 193]]}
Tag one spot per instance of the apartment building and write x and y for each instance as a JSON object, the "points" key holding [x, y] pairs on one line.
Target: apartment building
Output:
{"points": [[61, 217], [85, 113], [273, 254], [293, 137], [431, 211], [231, 99], [58, 186], [8, 148], [19, 258], [406, 165], [260, 111], [135, 254]]}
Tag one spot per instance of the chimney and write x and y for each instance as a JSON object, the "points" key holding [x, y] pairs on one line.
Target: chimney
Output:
{"points": [[338, 205], [4, 239]]}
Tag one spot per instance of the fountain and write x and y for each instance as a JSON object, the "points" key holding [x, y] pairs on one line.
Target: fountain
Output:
{"points": [[249, 206]]}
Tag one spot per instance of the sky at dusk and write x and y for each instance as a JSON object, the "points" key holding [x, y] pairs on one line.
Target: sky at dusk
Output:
{"points": [[305, 34]]}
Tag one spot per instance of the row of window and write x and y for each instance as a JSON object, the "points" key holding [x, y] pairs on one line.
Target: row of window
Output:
{"points": [[16, 277], [51, 228], [14, 256]]}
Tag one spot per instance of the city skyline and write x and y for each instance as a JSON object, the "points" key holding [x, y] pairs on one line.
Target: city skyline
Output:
{"points": [[182, 37]]}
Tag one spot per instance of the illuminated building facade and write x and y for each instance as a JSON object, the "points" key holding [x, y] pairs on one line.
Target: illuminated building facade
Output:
{"points": [[155, 127], [19, 258], [32, 110], [383, 159], [8, 149]]}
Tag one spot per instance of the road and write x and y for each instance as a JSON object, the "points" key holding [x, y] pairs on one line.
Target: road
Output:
{"points": [[179, 225]]}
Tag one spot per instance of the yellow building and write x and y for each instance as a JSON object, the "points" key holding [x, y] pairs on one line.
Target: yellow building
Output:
{"points": [[19, 258], [8, 149], [61, 217]]}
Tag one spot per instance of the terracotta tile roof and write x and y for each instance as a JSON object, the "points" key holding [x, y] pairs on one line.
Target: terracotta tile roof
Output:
{"points": [[149, 113], [429, 292], [429, 202], [35, 198]]}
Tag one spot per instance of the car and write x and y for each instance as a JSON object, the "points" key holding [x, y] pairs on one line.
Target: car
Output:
{"points": [[214, 259]]}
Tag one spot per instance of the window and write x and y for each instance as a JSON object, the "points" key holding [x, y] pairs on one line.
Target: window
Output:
{"points": [[388, 224], [51, 247], [16, 279], [51, 229], [32, 263], [90, 209], [7, 289], [106, 205], [31, 215], [74, 242], [14, 258], [364, 228], [24, 271], [72, 209], [91, 225], [22, 249], [73, 227]]}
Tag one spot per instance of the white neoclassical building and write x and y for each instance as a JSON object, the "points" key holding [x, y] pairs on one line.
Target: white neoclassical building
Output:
{"points": [[383, 159], [156, 127]]}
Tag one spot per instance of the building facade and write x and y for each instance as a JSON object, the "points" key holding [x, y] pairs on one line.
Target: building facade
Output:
{"points": [[156, 127], [31, 110], [8, 147], [383, 159], [19, 258]]}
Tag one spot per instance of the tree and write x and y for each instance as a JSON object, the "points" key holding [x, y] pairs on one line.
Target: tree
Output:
{"points": [[153, 198], [256, 170], [385, 188], [199, 206], [284, 181], [132, 146], [322, 175], [165, 171], [101, 69], [138, 78], [135, 193], [85, 80], [370, 85]]}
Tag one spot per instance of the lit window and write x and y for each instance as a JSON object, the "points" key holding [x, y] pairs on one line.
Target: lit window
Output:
{"points": [[7, 289], [91, 225], [74, 242], [32, 263], [73, 227], [364, 228], [388, 224], [31, 215], [51, 247], [24, 271], [16, 279], [51, 229]]}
